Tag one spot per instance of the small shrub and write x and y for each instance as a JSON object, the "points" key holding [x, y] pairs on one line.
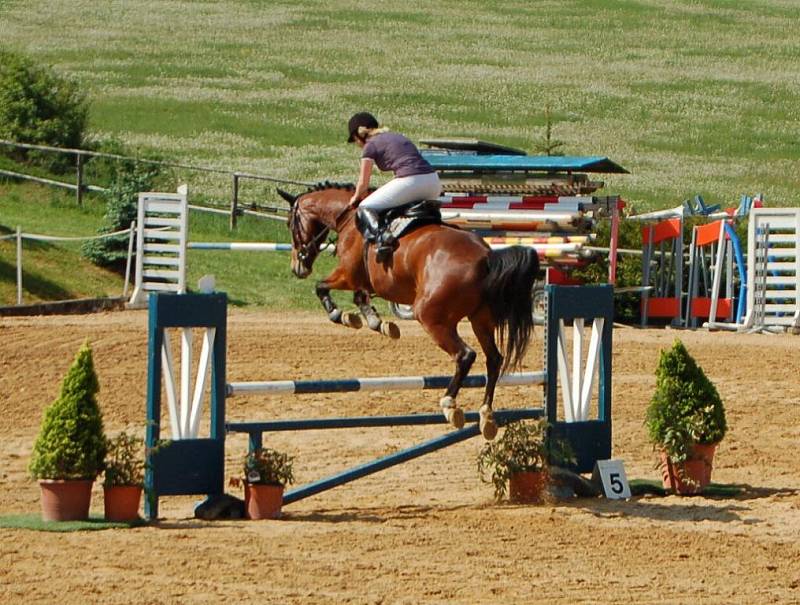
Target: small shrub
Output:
{"points": [[39, 106], [122, 200], [524, 446], [71, 443], [686, 407], [268, 467], [124, 464]]}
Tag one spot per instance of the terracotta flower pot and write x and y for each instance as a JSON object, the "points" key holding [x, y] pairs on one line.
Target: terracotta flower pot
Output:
{"points": [[66, 500], [692, 476], [263, 501], [121, 502], [526, 486]]}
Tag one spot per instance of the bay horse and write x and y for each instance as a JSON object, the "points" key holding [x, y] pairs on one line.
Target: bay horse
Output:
{"points": [[444, 273]]}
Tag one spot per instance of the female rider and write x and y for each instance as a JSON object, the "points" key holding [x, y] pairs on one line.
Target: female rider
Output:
{"points": [[414, 178]]}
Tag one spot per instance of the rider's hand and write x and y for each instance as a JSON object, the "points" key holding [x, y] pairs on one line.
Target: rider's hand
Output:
{"points": [[354, 201]]}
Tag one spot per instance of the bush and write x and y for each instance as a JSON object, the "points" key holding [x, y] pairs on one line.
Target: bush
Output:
{"points": [[627, 307], [124, 465], [524, 446], [686, 407], [71, 443], [41, 107], [122, 200], [268, 467]]}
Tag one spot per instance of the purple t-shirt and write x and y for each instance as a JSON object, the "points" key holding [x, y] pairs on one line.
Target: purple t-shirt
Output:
{"points": [[392, 151]]}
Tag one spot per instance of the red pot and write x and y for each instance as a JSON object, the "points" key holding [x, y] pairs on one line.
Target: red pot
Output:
{"points": [[526, 486], [692, 476], [66, 500], [263, 501], [121, 502]]}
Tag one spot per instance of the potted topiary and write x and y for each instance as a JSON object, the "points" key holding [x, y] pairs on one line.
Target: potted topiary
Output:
{"points": [[266, 473], [71, 446], [519, 461], [685, 421], [124, 477]]}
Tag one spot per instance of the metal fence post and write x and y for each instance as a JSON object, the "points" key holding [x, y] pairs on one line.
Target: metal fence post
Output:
{"points": [[19, 265]]}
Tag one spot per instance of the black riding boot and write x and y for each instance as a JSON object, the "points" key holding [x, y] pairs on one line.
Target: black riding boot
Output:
{"points": [[385, 242], [369, 224]]}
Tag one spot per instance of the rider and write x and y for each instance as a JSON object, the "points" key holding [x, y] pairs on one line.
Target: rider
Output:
{"points": [[414, 178]]}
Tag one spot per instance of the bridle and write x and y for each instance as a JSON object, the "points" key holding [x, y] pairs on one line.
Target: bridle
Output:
{"points": [[311, 248]]}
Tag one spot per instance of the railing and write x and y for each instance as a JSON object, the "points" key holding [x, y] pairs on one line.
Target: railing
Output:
{"points": [[79, 186], [19, 236]]}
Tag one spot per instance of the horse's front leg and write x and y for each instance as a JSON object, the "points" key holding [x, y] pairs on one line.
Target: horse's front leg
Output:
{"points": [[335, 282], [374, 321]]}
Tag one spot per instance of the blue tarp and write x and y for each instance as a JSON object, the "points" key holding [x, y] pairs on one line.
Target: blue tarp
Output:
{"points": [[544, 163]]}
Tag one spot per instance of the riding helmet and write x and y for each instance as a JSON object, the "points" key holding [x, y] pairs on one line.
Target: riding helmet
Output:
{"points": [[365, 119]]}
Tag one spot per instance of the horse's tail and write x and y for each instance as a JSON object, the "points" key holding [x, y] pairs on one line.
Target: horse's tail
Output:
{"points": [[508, 290]]}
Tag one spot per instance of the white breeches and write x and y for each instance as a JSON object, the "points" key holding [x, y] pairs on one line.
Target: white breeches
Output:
{"points": [[404, 190]]}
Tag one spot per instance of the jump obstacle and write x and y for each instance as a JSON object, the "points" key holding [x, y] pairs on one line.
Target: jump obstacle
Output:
{"points": [[188, 464]]}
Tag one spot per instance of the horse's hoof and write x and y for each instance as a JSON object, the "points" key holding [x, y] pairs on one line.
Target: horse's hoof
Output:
{"points": [[351, 320], [487, 424], [390, 329], [453, 414]]}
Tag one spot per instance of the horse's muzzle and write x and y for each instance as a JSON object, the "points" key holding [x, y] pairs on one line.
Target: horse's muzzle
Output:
{"points": [[300, 270]]}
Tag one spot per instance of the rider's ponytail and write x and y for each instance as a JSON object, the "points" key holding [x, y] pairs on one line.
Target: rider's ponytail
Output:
{"points": [[365, 133]]}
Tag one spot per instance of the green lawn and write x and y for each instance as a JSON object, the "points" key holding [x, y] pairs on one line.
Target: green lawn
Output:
{"points": [[56, 271], [693, 96]]}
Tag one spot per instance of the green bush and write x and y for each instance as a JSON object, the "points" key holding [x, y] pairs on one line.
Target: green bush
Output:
{"points": [[629, 268], [39, 106], [71, 442], [122, 198], [686, 407], [268, 467], [124, 464], [524, 446]]}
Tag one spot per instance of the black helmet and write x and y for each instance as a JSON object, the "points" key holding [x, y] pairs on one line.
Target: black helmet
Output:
{"points": [[365, 119]]}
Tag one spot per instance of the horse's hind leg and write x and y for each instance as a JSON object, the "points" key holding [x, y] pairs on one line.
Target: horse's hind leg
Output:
{"points": [[446, 336], [351, 320], [374, 321], [484, 327]]}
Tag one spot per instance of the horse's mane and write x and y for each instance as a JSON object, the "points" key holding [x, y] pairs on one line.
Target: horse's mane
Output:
{"points": [[322, 185]]}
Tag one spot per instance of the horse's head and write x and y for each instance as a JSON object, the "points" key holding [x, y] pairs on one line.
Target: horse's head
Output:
{"points": [[308, 232]]}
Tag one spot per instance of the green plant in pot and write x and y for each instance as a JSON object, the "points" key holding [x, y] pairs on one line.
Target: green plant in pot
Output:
{"points": [[685, 421], [70, 450], [518, 461], [123, 477], [266, 473]]}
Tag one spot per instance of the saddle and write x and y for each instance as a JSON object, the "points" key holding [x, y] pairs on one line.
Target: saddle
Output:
{"points": [[396, 222]]}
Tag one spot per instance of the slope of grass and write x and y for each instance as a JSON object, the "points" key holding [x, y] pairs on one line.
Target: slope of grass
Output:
{"points": [[56, 271], [692, 96]]}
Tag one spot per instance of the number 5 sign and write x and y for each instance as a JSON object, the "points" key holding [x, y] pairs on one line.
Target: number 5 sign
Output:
{"points": [[612, 477]]}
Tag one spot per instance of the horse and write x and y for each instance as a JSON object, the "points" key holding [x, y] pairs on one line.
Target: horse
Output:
{"points": [[443, 272]]}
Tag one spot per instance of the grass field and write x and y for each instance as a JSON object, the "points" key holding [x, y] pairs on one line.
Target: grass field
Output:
{"points": [[693, 97], [56, 271]]}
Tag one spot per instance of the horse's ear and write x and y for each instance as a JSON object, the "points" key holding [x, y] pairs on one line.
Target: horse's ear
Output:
{"points": [[287, 196]]}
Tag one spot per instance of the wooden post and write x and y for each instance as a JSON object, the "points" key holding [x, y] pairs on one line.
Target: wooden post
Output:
{"points": [[234, 201], [131, 236], [79, 179], [19, 265]]}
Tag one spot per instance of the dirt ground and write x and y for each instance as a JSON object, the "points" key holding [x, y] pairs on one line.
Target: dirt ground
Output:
{"points": [[423, 532]]}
